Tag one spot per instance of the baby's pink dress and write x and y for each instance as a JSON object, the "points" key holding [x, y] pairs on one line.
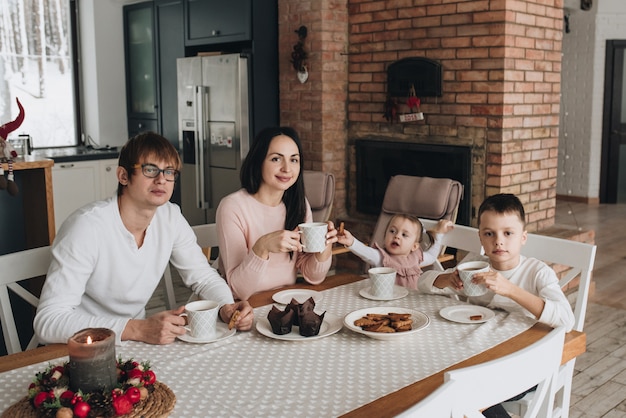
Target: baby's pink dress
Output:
{"points": [[407, 267]]}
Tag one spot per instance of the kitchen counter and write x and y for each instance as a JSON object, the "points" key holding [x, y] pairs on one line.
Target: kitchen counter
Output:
{"points": [[80, 153], [34, 200]]}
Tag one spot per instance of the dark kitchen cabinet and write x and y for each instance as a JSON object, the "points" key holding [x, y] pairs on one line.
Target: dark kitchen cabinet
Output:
{"points": [[168, 15], [154, 37], [136, 126], [217, 21], [141, 77]]}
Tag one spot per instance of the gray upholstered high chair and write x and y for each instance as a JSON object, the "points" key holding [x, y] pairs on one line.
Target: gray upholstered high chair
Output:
{"points": [[320, 191], [424, 197]]}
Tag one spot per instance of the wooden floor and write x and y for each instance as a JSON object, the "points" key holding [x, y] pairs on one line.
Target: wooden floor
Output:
{"points": [[599, 387]]}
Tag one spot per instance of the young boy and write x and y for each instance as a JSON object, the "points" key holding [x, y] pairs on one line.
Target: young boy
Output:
{"points": [[515, 283]]}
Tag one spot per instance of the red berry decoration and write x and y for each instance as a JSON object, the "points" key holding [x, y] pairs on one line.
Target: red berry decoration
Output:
{"points": [[68, 395], [81, 409], [149, 378], [122, 405], [134, 374], [133, 394], [39, 399]]}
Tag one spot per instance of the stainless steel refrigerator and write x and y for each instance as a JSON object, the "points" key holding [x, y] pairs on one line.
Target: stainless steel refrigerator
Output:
{"points": [[214, 130]]}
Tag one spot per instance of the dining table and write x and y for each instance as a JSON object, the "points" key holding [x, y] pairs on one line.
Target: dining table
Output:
{"points": [[340, 372]]}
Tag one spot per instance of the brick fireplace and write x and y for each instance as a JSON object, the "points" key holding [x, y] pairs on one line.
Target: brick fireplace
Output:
{"points": [[501, 63]]}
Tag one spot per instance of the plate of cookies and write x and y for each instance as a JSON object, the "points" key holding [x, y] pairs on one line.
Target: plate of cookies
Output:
{"points": [[386, 322]]}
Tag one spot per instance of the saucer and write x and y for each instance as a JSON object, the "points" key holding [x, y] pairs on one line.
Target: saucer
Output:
{"points": [[464, 313], [221, 333], [398, 293]]}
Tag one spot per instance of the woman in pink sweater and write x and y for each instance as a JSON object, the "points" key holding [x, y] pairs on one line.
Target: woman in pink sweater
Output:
{"points": [[257, 226]]}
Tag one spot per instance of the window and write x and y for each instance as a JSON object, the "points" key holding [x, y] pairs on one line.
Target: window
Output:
{"points": [[38, 66]]}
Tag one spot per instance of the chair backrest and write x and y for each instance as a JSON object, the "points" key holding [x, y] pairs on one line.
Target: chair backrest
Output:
{"points": [[460, 237], [15, 267], [206, 236], [577, 256], [483, 385], [424, 197], [320, 192], [436, 405]]}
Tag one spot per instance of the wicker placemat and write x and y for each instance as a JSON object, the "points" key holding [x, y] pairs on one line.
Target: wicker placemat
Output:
{"points": [[159, 404]]}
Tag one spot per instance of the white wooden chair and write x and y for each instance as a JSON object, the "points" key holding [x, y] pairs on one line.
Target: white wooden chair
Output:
{"points": [[15, 267], [579, 257], [478, 387], [436, 405], [206, 236]]}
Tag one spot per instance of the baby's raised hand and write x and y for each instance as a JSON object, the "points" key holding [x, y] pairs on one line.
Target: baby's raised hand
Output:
{"points": [[346, 238], [443, 226]]}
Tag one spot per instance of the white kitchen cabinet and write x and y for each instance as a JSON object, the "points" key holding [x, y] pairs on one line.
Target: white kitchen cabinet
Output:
{"points": [[77, 183], [108, 183]]}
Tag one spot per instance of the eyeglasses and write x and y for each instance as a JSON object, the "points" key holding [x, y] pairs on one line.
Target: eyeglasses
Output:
{"points": [[152, 171]]}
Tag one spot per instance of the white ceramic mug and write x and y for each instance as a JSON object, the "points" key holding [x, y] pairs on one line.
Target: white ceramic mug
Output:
{"points": [[466, 273], [383, 280], [313, 236], [201, 318]]}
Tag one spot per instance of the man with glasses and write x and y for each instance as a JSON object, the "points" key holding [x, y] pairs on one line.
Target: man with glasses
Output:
{"points": [[109, 256]]}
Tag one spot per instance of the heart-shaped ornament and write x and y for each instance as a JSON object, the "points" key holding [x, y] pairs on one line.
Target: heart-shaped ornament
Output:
{"points": [[303, 76]]}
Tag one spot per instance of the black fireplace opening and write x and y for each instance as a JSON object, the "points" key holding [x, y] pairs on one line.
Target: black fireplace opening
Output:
{"points": [[377, 161]]}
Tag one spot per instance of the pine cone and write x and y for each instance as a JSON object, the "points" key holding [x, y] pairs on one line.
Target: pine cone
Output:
{"points": [[101, 404]]}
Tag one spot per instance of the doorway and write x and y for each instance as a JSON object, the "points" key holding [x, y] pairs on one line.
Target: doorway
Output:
{"points": [[613, 170]]}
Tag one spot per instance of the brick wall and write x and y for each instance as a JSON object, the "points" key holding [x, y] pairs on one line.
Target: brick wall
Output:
{"points": [[501, 64], [317, 108]]}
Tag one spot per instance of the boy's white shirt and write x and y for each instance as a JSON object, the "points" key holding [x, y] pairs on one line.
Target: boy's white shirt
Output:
{"points": [[532, 275]]}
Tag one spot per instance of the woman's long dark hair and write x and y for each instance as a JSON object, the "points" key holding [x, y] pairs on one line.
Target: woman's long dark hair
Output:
{"points": [[251, 174]]}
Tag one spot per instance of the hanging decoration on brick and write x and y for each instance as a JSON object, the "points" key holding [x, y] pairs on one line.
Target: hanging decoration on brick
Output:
{"points": [[413, 102], [299, 55], [391, 109]]}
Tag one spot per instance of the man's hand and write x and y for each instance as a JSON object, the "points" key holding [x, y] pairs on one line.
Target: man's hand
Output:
{"points": [[160, 328], [245, 318]]}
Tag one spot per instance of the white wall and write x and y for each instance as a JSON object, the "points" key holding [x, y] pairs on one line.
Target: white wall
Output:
{"points": [[582, 88], [103, 74]]}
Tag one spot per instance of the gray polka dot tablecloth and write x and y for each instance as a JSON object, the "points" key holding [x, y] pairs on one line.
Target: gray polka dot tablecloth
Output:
{"points": [[252, 375]]}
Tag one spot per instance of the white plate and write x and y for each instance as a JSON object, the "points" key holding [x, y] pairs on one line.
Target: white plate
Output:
{"points": [[420, 321], [221, 333], [301, 295], [331, 325], [462, 313], [398, 293]]}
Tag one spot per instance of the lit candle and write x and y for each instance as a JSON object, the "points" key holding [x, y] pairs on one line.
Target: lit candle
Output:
{"points": [[92, 360]]}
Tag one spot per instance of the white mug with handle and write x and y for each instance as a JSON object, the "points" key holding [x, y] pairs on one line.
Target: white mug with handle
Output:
{"points": [[201, 318]]}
